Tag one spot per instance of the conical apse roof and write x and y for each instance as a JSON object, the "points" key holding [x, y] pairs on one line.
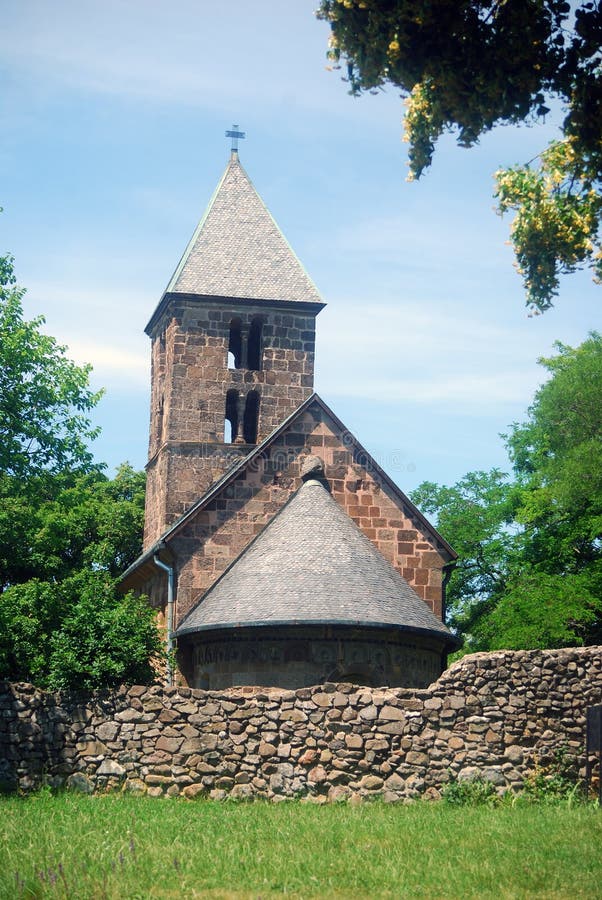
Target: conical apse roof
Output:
{"points": [[312, 565], [238, 250]]}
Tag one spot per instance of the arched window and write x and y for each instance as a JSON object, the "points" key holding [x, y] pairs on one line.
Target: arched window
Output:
{"points": [[255, 347], [235, 345], [251, 417], [231, 422]]}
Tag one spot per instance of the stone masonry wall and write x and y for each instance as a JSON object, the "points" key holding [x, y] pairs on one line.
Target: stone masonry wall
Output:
{"points": [[189, 381], [492, 714]]}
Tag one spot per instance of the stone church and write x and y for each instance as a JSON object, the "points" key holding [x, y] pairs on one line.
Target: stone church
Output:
{"points": [[276, 550]]}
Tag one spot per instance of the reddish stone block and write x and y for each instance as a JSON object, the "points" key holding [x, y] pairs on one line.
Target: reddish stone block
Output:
{"points": [[405, 548], [435, 578], [431, 558]]}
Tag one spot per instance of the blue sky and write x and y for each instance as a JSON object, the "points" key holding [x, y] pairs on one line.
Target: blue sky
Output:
{"points": [[113, 120]]}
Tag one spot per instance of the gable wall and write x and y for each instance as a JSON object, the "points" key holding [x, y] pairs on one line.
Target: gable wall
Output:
{"points": [[215, 536], [393, 529]]}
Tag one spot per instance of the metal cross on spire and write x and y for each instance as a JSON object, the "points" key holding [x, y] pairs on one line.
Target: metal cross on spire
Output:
{"points": [[235, 134]]}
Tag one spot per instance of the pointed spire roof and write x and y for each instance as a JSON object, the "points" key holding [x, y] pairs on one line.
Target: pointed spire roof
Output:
{"points": [[312, 565], [238, 250]]}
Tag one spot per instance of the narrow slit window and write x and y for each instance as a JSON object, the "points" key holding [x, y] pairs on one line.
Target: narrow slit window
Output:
{"points": [[235, 345], [160, 421], [231, 422], [251, 418], [255, 347]]}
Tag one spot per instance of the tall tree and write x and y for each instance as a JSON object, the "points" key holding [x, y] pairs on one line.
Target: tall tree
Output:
{"points": [[478, 516], [468, 65], [66, 529], [530, 570]]}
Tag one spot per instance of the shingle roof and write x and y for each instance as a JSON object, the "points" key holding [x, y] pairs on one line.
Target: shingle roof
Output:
{"points": [[312, 565], [238, 250]]}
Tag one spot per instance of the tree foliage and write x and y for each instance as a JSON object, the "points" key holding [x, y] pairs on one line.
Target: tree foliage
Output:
{"points": [[66, 530], [558, 206], [469, 65], [76, 633], [45, 398], [530, 546], [64, 540], [53, 526], [477, 515]]}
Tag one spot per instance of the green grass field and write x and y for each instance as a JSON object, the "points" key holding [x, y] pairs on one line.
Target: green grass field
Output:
{"points": [[128, 847]]}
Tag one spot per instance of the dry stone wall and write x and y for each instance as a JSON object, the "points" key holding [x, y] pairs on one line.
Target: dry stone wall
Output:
{"points": [[489, 714]]}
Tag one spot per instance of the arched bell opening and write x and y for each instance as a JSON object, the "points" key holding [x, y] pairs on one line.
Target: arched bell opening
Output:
{"points": [[255, 344], [235, 344], [231, 417], [251, 418]]}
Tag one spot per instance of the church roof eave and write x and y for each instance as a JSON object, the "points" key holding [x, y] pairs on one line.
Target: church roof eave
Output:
{"points": [[228, 476], [296, 305], [451, 640]]}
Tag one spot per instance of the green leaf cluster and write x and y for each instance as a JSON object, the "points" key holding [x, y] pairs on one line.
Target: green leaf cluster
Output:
{"points": [[470, 792], [530, 544], [558, 205], [465, 66]]}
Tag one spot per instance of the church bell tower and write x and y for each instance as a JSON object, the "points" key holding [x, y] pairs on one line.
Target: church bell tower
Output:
{"points": [[233, 342]]}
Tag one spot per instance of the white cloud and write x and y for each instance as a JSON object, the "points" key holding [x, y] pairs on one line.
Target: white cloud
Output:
{"points": [[482, 393], [409, 328], [100, 327], [412, 353], [112, 365]]}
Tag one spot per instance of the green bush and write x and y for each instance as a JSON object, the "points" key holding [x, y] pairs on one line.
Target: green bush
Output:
{"points": [[554, 781], [471, 792]]}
